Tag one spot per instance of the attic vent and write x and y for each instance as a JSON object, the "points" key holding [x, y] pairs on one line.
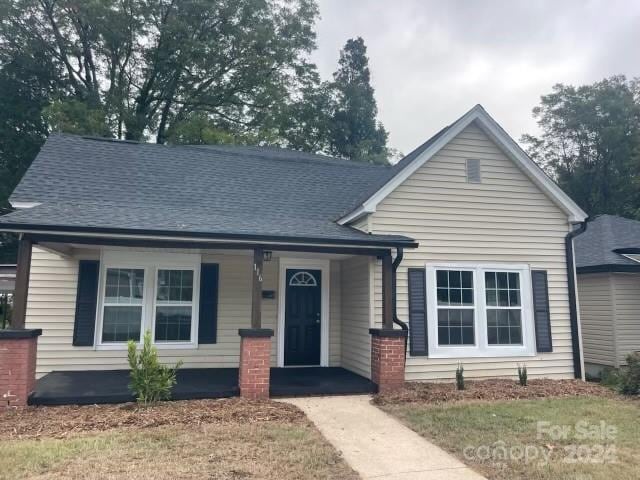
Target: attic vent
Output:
{"points": [[473, 170]]}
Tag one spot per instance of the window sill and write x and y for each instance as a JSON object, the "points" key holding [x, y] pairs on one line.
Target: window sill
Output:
{"points": [[475, 353], [159, 346]]}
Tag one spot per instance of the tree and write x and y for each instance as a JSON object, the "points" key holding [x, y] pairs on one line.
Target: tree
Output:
{"points": [[27, 81], [138, 67], [590, 144], [356, 133]]}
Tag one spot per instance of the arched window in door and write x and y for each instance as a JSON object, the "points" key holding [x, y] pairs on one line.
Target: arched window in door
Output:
{"points": [[303, 279]]}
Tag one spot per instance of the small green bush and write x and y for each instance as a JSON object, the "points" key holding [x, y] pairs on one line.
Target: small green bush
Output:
{"points": [[609, 377], [629, 377], [150, 380], [522, 375], [460, 377]]}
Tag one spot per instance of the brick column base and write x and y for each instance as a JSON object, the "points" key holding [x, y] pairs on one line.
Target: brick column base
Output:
{"points": [[255, 362], [387, 358], [18, 350]]}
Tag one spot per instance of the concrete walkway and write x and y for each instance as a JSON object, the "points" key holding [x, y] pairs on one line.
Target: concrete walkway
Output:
{"points": [[378, 446]]}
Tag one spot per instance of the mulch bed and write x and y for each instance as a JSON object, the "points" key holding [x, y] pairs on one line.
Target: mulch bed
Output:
{"points": [[491, 390], [59, 422]]}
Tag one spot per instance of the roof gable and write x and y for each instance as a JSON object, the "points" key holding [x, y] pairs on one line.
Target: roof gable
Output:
{"points": [[412, 162]]}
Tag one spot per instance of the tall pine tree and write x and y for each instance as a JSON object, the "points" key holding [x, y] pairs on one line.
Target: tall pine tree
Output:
{"points": [[356, 132]]}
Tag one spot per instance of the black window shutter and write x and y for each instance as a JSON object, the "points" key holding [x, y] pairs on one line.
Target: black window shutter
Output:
{"points": [[542, 316], [417, 312], [86, 300], [208, 322]]}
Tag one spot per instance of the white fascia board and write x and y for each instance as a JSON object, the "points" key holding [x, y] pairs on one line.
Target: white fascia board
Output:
{"points": [[22, 205], [510, 147]]}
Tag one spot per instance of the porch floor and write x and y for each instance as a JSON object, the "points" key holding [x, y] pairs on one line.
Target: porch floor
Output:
{"points": [[111, 386]]}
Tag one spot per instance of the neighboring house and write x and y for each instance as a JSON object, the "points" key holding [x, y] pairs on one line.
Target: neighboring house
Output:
{"points": [[181, 240], [7, 278], [7, 284], [608, 266]]}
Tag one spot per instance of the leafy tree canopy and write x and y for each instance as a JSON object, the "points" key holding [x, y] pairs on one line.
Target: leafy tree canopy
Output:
{"points": [[590, 144], [179, 71]]}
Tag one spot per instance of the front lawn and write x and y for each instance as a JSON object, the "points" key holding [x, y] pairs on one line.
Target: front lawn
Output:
{"points": [[225, 439], [574, 437]]}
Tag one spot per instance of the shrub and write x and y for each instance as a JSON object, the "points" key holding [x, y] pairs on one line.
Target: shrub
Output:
{"points": [[460, 377], [522, 375], [629, 379], [150, 380], [609, 377]]}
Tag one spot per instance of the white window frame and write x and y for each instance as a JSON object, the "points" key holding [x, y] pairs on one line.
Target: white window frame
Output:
{"points": [[481, 347], [150, 262]]}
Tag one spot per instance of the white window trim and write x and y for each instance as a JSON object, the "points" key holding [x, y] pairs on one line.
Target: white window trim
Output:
{"points": [[150, 262], [313, 264], [481, 347]]}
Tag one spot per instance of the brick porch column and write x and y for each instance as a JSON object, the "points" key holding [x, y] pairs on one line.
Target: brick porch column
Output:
{"points": [[387, 358], [255, 360], [17, 366]]}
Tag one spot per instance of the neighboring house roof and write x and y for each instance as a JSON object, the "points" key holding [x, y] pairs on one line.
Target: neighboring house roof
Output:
{"points": [[426, 151], [85, 184], [93, 184], [608, 245]]}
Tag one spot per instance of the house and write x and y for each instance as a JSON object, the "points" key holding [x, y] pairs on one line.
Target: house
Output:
{"points": [[608, 267], [250, 257], [7, 284]]}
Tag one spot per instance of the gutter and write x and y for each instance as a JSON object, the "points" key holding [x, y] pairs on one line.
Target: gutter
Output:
{"points": [[202, 236], [573, 299], [396, 320]]}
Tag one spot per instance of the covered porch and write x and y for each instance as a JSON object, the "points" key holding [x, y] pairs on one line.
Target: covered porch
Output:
{"points": [[276, 319], [111, 386]]}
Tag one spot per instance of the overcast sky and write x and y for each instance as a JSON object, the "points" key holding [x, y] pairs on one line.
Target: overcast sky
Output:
{"points": [[431, 61]]}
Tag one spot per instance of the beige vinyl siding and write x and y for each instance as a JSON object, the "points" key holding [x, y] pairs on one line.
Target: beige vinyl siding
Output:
{"points": [[362, 224], [356, 340], [595, 293], [626, 290], [51, 306], [504, 219]]}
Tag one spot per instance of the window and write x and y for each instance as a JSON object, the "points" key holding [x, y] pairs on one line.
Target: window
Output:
{"points": [[303, 279], [479, 310], [174, 305], [123, 304], [504, 308], [455, 307], [148, 291]]}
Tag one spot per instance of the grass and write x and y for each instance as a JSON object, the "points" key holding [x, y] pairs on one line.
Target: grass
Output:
{"points": [[212, 451], [501, 440]]}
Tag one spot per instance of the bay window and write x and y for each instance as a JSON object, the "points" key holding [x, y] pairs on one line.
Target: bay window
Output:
{"points": [[148, 291], [477, 310]]}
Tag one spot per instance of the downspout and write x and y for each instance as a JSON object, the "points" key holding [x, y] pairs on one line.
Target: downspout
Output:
{"points": [[396, 320], [573, 302]]}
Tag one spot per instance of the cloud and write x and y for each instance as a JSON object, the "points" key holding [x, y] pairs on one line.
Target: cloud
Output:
{"points": [[431, 60]]}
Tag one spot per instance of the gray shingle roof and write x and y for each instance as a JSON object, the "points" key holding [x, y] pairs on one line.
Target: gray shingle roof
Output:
{"points": [[605, 233], [218, 190]]}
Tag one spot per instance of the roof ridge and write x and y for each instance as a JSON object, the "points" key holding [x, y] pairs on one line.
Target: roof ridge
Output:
{"points": [[220, 148]]}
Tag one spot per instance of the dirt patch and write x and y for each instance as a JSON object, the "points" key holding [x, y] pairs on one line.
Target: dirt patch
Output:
{"points": [[489, 390], [59, 422]]}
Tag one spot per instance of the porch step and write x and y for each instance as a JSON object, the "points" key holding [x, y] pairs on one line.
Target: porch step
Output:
{"points": [[311, 381]]}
